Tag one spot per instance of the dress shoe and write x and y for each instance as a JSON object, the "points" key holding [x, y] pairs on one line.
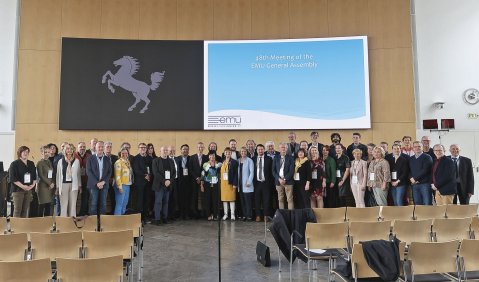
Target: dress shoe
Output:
{"points": [[258, 219]]}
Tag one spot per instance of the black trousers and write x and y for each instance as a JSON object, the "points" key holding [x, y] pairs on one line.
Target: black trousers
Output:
{"points": [[185, 190], [85, 199], [211, 199], [44, 209], [332, 198], [262, 195], [461, 195], [143, 198], [172, 202]]}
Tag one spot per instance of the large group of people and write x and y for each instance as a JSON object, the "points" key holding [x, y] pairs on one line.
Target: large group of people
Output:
{"points": [[250, 182]]}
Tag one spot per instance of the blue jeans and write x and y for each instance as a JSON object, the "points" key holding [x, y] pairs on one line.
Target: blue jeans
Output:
{"points": [[121, 199], [94, 194], [161, 203], [398, 194], [421, 194]]}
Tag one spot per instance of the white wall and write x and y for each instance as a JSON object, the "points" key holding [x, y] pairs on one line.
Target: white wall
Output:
{"points": [[447, 54], [8, 39]]}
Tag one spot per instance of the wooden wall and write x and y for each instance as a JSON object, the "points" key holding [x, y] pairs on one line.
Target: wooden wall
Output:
{"points": [[44, 22]]}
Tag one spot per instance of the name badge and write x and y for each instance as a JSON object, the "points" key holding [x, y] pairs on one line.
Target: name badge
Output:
{"points": [[214, 179], [296, 176], [281, 172], [225, 176], [167, 175], [27, 178], [148, 170], [371, 176], [185, 172], [50, 174], [82, 171], [68, 177], [394, 175], [314, 175], [338, 173], [354, 179]]}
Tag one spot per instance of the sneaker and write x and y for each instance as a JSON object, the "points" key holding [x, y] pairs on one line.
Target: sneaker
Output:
{"points": [[225, 217], [233, 218]]}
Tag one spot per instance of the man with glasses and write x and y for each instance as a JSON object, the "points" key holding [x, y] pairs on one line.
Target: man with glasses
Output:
{"points": [[443, 177], [143, 177], [464, 175]]}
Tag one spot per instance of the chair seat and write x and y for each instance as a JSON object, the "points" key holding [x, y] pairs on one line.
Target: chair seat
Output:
{"points": [[314, 255], [428, 278], [471, 275]]}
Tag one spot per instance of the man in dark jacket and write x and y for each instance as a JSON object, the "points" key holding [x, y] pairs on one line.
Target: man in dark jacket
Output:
{"points": [[164, 173], [283, 170], [263, 180], [464, 175], [443, 177], [143, 176]]}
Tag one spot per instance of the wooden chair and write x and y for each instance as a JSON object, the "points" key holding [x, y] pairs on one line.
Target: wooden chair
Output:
{"points": [[469, 259], [431, 259], [393, 213], [448, 229], [26, 271], [3, 225], [367, 231], [360, 268], [330, 215], [429, 212], [324, 241], [56, 245], [461, 211], [34, 224], [362, 214], [67, 224], [106, 244], [475, 227], [413, 230], [13, 247], [108, 269]]}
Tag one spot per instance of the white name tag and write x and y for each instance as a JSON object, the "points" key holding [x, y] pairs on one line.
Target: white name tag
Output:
{"points": [[27, 178], [185, 172], [371, 176], [167, 175], [68, 177], [148, 170], [338, 173], [50, 174], [314, 175], [296, 176], [225, 176], [281, 172], [82, 171], [214, 180], [354, 179], [394, 175]]}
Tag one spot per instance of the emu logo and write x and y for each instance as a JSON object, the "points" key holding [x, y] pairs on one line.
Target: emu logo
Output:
{"points": [[124, 79]]}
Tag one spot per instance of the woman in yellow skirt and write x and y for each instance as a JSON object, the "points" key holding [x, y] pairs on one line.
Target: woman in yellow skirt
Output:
{"points": [[229, 183]]}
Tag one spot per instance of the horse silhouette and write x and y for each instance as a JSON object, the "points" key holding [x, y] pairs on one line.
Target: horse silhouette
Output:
{"points": [[124, 79]]}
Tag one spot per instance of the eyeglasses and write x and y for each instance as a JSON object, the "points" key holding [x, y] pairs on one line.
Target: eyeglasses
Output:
{"points": [[142, 147]]}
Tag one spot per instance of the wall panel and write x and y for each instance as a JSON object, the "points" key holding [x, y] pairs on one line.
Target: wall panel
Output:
{"points": [[232, 19], [309, 18], [195, 19], [270, 19], [389, 23], [348, 17], [120, 19], [81, 18], [157, 19]]}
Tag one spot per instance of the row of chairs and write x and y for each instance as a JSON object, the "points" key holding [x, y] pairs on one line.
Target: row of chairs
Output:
{"points": [[456, 260], [67, 269], [419, 212]]}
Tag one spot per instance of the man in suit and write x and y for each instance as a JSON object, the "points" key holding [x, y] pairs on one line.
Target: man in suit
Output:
{"points": [[196, 162], [357, 145], [235, 155], [163, 175], [293, 147], [185, 184], [464, 175], [443, 177], [143, 176], [111, 192], [99, 171], [283, 170], [263, 178], [173, 202], [314, 142]]}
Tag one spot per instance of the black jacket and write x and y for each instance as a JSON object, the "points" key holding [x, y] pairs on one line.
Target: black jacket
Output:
{"points": [[159, 173], [466, 175], [195, 167], [267, 169], [383, 257], [445, 176], [284, 222], [401, 167], [140, 169]]}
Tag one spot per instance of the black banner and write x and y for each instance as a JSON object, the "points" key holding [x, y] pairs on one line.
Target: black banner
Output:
{"points": [[131, 85]]}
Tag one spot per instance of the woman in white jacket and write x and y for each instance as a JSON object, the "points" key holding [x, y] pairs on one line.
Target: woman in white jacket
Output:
{"points": [[245, 183], [68, 181]]}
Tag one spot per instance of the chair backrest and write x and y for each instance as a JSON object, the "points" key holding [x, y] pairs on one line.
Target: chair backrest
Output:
{"points": [[359, 265], [432, 257], [469, 251], [67, 224], [367, 231], [447, 229], [397, 213], [56, 245], [429, 212], [123, 222], [330, 215], [13, 246], [26, 271], [106, 269], [413, 230], [106, 244], [3, 225], [326, 235], [461, 211], [475, 226], [34, 224], [362, 214]]}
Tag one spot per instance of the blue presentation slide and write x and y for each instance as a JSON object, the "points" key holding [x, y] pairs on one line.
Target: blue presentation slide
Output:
{"points": [[287, 84]]}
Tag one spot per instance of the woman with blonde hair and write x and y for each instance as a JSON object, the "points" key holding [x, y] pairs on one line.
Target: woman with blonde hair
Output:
{"points": [[318, 179], [68, 181], [379, 176], [229, 184], [123, 180], [359, 175]]}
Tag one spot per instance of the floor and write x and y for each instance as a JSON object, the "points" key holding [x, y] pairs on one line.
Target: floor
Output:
{"points": [[188, 251]]}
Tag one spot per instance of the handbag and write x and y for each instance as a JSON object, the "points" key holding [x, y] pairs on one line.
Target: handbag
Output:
{"points": [[262, 250]]}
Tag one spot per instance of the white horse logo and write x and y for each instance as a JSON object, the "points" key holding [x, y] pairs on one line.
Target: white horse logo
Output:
{"points": [[124, 78]]}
